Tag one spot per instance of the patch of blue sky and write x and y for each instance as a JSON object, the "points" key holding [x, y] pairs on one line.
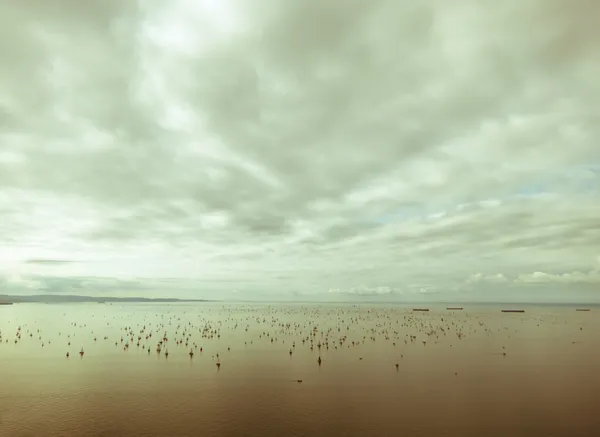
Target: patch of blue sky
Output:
{"points": [[587, 181], [594, 169], [404, 214], [584, 180], [400, 215], [533, 189]]}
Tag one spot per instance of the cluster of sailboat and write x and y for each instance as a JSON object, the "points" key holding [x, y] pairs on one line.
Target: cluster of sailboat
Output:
{"points": [[339, 328]]}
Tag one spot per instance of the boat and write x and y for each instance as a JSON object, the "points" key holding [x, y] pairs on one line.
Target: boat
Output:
{"points": [[513, 311], [420, 309], [6, 303], [454, 308], [582, 309]]}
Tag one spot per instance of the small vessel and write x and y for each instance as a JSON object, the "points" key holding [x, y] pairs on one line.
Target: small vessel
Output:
{"points": [[420, 309], [454, 308], [513, 311], [582, 309], [6, 303]]}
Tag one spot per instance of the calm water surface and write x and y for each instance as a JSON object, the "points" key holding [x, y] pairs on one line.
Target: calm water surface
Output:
{"points": [[476, 372]]}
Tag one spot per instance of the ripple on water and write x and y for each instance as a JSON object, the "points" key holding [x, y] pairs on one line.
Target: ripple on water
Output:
{"points": [[457, 383]]}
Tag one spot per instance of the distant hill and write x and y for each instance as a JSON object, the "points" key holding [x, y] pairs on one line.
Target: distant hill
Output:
{"points": [[51, 298]]}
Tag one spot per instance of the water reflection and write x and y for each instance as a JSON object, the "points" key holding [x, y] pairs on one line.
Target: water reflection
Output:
{"points": [[297, 370]]}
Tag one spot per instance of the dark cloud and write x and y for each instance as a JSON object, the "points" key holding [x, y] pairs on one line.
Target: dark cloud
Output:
{"points": [[48, 261]]}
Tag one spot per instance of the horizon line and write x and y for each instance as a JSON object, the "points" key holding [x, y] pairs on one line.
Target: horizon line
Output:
{"points": [[372, 301]]}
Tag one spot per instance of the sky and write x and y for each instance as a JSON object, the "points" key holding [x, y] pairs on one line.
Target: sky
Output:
{"points": [[322, 150]]}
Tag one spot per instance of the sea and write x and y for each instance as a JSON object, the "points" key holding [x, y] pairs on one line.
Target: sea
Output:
{"points": [[254, 370]]}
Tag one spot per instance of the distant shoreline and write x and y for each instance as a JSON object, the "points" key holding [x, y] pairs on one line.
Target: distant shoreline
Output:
{"points": [[10, 299]]}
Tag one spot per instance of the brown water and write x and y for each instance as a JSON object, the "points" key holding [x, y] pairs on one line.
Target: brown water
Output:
{"points": [[547, 384]]}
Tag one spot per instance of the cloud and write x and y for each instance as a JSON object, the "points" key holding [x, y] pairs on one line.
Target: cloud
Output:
{"points": [[591, 277], [365, 291], [406, 145], [17, 282], [47, 261], [479, 278], [537, 277]]}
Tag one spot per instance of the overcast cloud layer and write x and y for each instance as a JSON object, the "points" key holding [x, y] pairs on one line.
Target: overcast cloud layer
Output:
{"points": [[300, 149]]}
